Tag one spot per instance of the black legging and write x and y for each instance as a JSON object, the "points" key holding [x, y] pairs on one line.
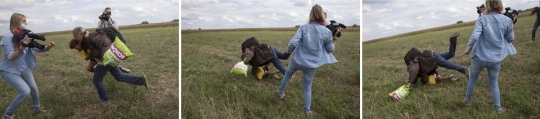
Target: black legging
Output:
{"points": [[536, 24]]}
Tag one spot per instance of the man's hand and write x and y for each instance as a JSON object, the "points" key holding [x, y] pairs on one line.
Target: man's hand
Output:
{"points": [[466, 53]]}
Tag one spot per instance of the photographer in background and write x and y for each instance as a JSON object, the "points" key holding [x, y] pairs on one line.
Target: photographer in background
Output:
{"points": [[537, 23], [105, 21]]}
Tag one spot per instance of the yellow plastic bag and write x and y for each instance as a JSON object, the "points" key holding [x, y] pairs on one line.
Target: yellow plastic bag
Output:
{"points": [[240, 69], [400, 93], [116, 54]]}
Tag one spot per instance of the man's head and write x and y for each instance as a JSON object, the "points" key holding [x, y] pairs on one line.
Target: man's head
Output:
{"points": [[78, 33]]}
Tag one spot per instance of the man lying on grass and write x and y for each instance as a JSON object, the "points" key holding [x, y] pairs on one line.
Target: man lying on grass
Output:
{"points": [[423, 64]]}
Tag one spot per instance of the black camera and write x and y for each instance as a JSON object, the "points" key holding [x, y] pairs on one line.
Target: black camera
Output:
{"points": [[511, 14], [105, 16], [32, 36], [333, 26], [480, 9]]}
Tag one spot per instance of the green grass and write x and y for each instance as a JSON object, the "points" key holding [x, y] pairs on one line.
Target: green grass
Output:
{"points": [[209, 90], [66, 89], [383, 71]]}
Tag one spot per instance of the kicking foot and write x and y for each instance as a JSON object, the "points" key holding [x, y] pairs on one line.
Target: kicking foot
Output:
{"points": [[456, 34]]}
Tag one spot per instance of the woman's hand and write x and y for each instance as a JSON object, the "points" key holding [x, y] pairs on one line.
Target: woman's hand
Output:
{"points": [[24, 41]]}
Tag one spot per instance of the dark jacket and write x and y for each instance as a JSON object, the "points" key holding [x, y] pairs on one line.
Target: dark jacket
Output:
{"points": [[257, 56], [97, 43], [421, 66], [112, 34]]}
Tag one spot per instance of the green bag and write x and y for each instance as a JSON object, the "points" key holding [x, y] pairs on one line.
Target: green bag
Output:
{"points": [[400, 93], [240, 69], [116, 54]]}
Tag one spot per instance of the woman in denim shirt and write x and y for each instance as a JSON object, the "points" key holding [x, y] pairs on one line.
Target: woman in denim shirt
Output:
{"points": [[313, 43], [492, 37], [15, 66]]}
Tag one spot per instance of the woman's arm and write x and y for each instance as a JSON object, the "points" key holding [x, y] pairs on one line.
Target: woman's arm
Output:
{"points": [[47, 48], [15, 52], [475, 35], [295, 39]]}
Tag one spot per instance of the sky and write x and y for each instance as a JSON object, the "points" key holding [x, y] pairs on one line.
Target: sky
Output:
{"points": [[223, 14], [383, 18], [61, 15]]}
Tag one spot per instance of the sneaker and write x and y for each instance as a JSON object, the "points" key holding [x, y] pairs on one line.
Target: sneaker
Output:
{"points": [[456, 34], [502, 110], [453, 77], [466, 103], [276, 76], [7, 117], [311, 113], [145, 84], [41, 111], [123, 69], [106, 102]]}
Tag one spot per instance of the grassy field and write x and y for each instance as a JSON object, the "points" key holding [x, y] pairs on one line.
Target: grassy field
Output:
{"points": [[383, 71], [66, 88], [209, 90]]}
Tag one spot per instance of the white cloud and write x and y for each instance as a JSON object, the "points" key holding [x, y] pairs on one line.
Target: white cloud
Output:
{"points": [[264, 13], [59, 15], [386, 18]]}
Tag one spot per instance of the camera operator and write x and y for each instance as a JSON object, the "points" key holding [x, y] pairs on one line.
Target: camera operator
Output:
{"points": [[16, 64], [105, 19], [537, 23]]}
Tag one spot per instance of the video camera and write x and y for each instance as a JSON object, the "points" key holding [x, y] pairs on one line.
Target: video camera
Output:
{"points": [[33, 44], [511, 14], [333, 26], [105, 16], [480, 9]]}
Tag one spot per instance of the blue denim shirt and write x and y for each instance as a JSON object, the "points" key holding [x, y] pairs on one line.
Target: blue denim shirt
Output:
{"points": [[25, 59], [313, 43], [492, 38]]}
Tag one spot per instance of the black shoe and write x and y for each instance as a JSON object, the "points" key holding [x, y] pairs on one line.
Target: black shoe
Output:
{"points": [[125, 70], [145, 84], [456, 34]]}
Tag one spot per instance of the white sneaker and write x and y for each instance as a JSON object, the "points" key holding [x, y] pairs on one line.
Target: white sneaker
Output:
{"points": [[453, 77]]}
